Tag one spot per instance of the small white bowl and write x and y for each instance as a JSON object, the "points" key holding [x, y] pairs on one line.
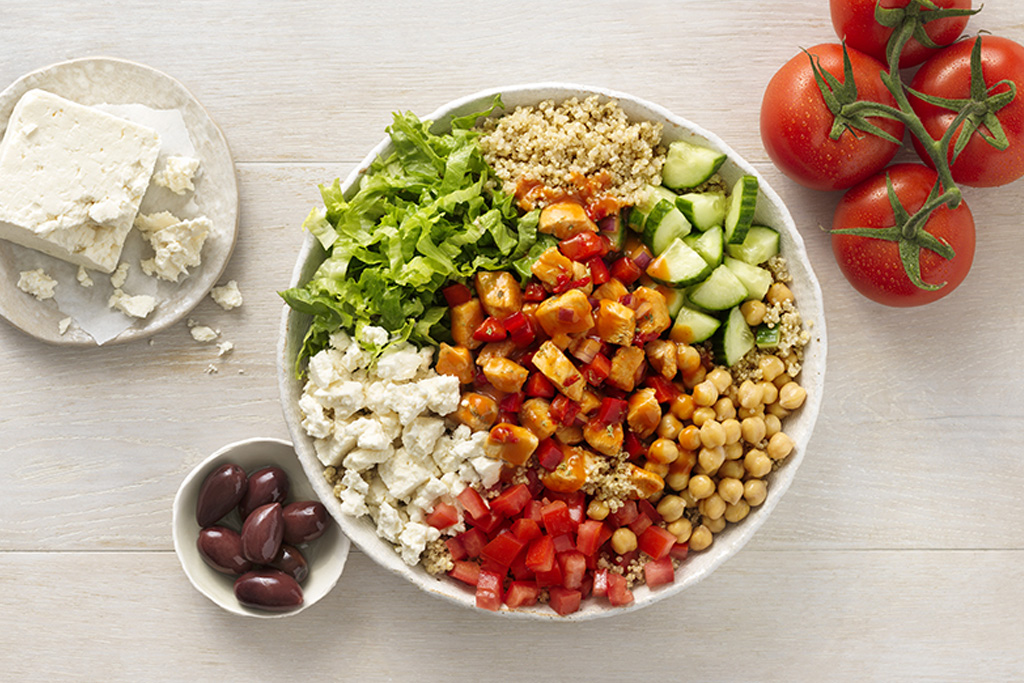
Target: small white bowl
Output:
{"points": [[326, 555], [770, 211]]}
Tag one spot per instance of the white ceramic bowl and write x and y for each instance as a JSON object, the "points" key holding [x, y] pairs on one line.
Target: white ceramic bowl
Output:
{"points": [[770, 211], [326, 555]]}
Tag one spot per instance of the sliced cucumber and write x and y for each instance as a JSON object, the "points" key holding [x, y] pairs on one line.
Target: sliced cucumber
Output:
{"points": [[708, 244], [722, 290], [734, 339], [742, 203], [692, 326], [613, 228], [675, 298], [664, 224], [766, 337], [757, 280], [689, 165], [655, 195], [758, 246], [678, 266], [703, 209]]}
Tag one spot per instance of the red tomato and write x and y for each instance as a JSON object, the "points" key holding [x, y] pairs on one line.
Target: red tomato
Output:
{"points": [[564, 600], [795, 122], [854, 22], [948, 75], [659, 572], [873, 266]]}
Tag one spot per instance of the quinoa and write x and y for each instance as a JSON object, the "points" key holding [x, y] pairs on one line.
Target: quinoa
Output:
{"points": [[553, 143]]}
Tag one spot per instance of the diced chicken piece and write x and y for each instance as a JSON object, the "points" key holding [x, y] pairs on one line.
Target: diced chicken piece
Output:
{"points": [[571, 473], [627, 364], [535, 415], [616, 323], [605, 439], [466, 318], [643, 413], [492, 350], [567, 313], [511, 443], [644, 482], [505, 375], [476, 411], [499, 293], [612, 290], [589, 403], [661, 354], [456, 361], [570, 436], [552, 268], [565, 219], [652, 317], [554, 365]]}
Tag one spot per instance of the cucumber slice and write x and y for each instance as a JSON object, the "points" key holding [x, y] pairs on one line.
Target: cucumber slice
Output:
{"points": [[758, 246], [742, 203], [678, 266], [722, 290], [703, 210], [613, 228], [692, 326], [766, 337], [636, 219], [734, 339], [675, 299], [664, 224], [756, 280], [689, 165], [708, 244], [655, 195]]}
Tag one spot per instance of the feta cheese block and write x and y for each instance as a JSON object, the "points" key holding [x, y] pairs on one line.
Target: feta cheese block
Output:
{"points": [[72, 178]]}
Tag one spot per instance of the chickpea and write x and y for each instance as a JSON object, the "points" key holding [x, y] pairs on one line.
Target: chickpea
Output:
{"points": [[710, 459], [778, 293], [782, 380], [771, 367], [750, 394], [702, 415], [754, 492], [792, 396], [677, 481], [690, 501], [705, 393], [757, 463], [681, 529], [663, 450], [730, 490], [712, 434], [701, 538], [721, 378], [772, 425], [659, 468], [777, 410], [689, 438], [753, 312], [753, 429], [687, 358], [669, 427], [737, 512], [744, 413], [733, 431], [725, 409], [692, 379], [769, 393], [779, 446], [598, 509], [700, 487], [623, 541], [671, 508], [732, 468], [682, 406], [715, 525], [733, 451], [712, 507]]}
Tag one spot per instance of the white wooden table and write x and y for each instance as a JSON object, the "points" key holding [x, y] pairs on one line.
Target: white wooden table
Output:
{"points": [[897, 553]]}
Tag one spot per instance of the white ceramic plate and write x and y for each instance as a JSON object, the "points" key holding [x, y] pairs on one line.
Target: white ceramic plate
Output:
{"points": [[100, 80], [770, 211]]}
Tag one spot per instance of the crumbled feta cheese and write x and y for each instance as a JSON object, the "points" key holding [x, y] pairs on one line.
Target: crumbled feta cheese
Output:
{"points": [[372, 334], [83, 277], [489, 470], [138, 306], [228, 296], [360, 459], [63, 325], [429, 493], [314, 419], [353, 498], [176, 247], [225, 347], [177, 173], [413, 540], [37, 283], [120, 275], [420, 436], [372, 436], [408, 400], [389, 522], [202, 333], [399, 363], [403, 474], [325, 368], [442, 393]]}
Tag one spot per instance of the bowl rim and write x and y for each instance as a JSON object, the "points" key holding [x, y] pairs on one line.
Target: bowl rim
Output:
{"points": [[813, 313]]}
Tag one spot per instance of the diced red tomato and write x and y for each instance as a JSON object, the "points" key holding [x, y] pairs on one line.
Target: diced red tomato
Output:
{"points": [[579, 284], [625, 515], [532, 511], [473, 541], [511, 403], [540, 556], [574, 567], [588, 536], [503, 549], [564, 600], [599, 273], [522, 594], [634, 446], [539, 386], [619, 594], [563, 543], [640, 524], [597, 370], [612, 411], [626, 270], [600, 587], [490, 330], [518, 568], [583, 246], [493, 566], [588, 581], [549, 454], [455, 547], [645, 507], [489, 590], [526, 529], [664, 390], [487, 524], [520, 329], [533, 482], [473, 503], [552, 577], [442, 516], [564, 410], [556, 518], [534, 292], [679, 551], [656, 542], [659, 572], [457, 294], [466, 572], [511, 501]]}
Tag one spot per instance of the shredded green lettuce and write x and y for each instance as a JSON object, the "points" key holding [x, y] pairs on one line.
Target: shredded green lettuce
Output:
{"points": [[430, 213]]}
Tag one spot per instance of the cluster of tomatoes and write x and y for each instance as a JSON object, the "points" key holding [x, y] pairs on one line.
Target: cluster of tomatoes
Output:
{"points": [[873, 219]]}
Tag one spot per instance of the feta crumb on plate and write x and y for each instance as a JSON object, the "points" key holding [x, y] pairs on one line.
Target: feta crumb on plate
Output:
{"points": [[177, 173], [138, 306], [228, 296], [83, 277], [120, 275], [37, 283], [203, 333]]}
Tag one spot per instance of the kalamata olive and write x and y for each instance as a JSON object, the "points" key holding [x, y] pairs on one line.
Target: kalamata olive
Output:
{"points": [[222, 550], [222, 490], [262, 533], [268, 589], [291, 562], [268, 485], [304, 521]]}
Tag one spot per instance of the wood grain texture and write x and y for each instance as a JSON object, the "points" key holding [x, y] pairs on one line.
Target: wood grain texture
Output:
{"points": [[897, 552]]}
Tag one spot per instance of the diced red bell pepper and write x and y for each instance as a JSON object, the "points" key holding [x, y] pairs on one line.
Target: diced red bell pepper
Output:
{"points": [[511, 501], [588, 536], [556, 518], [526, 530], [518, 568], [490, 330], [455, 547], [473, 503], [522, 594], [597, 370], [511, 403], [540, 556], [625, 515], [552, 577], [520, 329], [634, 446], [612, 411], [489, 590], [626, 271], [659, 572], [645, 508], [574, 567], [473, 541], [564, 600], [564, 410], [599, 273], [664, 390], [489, 565], [563, 543], [549, 454], [442, 516], [562, 284], [532, 511], [679, 551], [534, 292], [457, 294], [579, 284], [583, 246], [466, 572], [640, 524], [656, 542], [539, 386], [619, 594], [488, 524], [503, 549]]}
